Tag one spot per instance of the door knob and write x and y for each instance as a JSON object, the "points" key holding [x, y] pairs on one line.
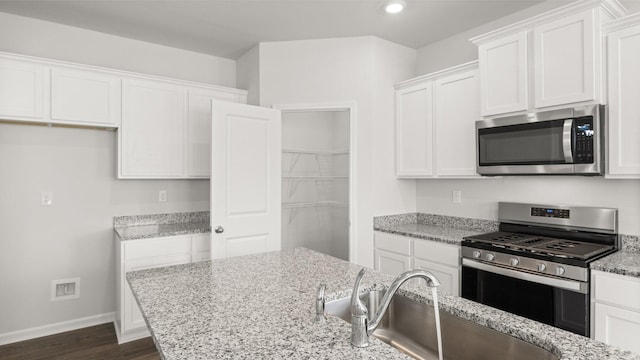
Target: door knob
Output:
{"points": [[219, 229]]}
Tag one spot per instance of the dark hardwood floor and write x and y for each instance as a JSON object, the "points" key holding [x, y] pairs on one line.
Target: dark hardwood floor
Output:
{"points": [[95, 342]]}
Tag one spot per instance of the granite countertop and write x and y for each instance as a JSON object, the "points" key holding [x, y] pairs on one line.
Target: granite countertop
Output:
{"points": [[443, 234], [262, 306], [440, 228], [621, 262], [134, 232], [161, 225]]}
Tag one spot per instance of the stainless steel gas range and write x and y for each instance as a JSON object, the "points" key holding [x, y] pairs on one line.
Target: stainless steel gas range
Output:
{"points": [[537, 264]]}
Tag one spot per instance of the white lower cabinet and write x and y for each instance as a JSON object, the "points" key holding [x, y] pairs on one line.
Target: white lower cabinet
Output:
{"points": [[390, 263], [133, 255], [616, 313], [395, 254]]}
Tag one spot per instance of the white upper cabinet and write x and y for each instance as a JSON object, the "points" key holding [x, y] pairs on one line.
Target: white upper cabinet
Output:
{"points": [[565, 57], [199, 128], [21, 90], [414, 130], [548, 61], [435, 124], [151, 134], [503, 75], [456, 111], [85, 97], [624, 104]]}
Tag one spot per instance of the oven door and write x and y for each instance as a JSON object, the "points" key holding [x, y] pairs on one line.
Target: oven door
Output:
{"points": [[553, 301]]}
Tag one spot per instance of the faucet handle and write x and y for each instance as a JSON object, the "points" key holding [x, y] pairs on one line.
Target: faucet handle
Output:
{"points": [[320, 304], [357, 306]]}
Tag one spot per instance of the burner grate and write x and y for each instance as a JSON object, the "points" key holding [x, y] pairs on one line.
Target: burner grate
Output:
{"points": [[541, 245]]}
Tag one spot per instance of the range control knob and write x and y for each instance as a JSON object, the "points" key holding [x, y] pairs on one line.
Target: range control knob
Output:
{"points": [[476, 254], [559, 270], [542, 267], [514, 261], [490, 257]]}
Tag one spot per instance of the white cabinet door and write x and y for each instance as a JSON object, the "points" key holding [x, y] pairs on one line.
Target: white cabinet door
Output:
{"points": [[618, 327], [201, 247], [456, 111], [391, 263], [85, 97], [503, 75], [449, 277], [199, 133], [414, 131], [152, 131], [565, 52], [21, 90], [245, 179], [624, 107]]}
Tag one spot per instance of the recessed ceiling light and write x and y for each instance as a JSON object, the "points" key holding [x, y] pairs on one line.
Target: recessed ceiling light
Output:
{"points": [[395, 6]]}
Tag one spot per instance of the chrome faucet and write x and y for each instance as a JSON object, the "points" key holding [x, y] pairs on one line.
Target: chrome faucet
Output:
{"points": [[361, 327]]}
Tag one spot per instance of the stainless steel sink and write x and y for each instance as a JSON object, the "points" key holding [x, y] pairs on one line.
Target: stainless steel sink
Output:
{"points": [[409, 326]]}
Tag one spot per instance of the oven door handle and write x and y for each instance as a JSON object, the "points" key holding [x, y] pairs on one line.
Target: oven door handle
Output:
{"points": [[571, 285]]}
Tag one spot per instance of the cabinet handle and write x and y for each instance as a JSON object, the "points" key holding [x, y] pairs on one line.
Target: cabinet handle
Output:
{"points": [[219, 229]]}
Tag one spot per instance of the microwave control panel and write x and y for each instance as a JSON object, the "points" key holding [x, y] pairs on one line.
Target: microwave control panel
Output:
{"points": [[583, 140]]}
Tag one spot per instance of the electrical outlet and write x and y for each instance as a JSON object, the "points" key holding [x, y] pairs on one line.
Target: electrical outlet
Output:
{"points": [[456, 196], [46, 198], [162, 195]]}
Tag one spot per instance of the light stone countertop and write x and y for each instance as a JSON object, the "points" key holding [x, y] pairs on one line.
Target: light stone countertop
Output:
{"points": [[134, 232], [622, 262], [436, 233], [261, 306]]}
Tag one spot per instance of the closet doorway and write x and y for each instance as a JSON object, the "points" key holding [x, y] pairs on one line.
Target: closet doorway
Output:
{"points": [[317, 178]]}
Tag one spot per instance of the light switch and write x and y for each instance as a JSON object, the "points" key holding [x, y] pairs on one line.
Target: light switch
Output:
{"points": [[162, 195], [46, 198]]}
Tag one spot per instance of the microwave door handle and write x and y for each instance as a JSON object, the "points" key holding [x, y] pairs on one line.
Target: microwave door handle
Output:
{"points": [[567, 133]]}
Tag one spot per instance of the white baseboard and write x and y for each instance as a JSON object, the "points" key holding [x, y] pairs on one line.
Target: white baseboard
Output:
{"points": [[45, 330]]}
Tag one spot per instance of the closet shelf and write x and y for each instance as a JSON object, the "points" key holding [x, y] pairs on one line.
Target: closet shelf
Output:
{"points": [[294, 205], [315, 152], [314, 177]]}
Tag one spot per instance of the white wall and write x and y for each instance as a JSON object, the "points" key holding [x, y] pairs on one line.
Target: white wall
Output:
{"points": [[392, 63], [34, 37], [480, 197], [248, 74], [340, 70], [457, 49], [73, 238]]}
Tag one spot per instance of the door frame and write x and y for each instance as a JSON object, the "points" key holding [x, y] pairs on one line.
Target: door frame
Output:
{"points": [[352, 108]]}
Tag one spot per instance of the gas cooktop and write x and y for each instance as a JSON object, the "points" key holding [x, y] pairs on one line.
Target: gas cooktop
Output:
{"points": [[541, 245]]}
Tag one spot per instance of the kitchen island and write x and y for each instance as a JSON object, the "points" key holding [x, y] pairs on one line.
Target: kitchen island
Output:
{"points": [[262, 306]]}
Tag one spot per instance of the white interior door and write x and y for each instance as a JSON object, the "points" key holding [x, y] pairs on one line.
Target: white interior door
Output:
{"points": [[245, 180]]}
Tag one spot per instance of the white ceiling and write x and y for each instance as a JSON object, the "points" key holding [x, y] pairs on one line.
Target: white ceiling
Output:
{"points": [[229, 28]]}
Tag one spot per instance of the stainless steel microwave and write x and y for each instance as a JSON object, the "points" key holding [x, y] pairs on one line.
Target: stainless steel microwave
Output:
{"points": [[559, 142]]}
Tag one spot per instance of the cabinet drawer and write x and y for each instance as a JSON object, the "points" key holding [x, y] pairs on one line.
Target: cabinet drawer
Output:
{"points": [[617, 289], [438, 252], [174, 245], [394, 243]]}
